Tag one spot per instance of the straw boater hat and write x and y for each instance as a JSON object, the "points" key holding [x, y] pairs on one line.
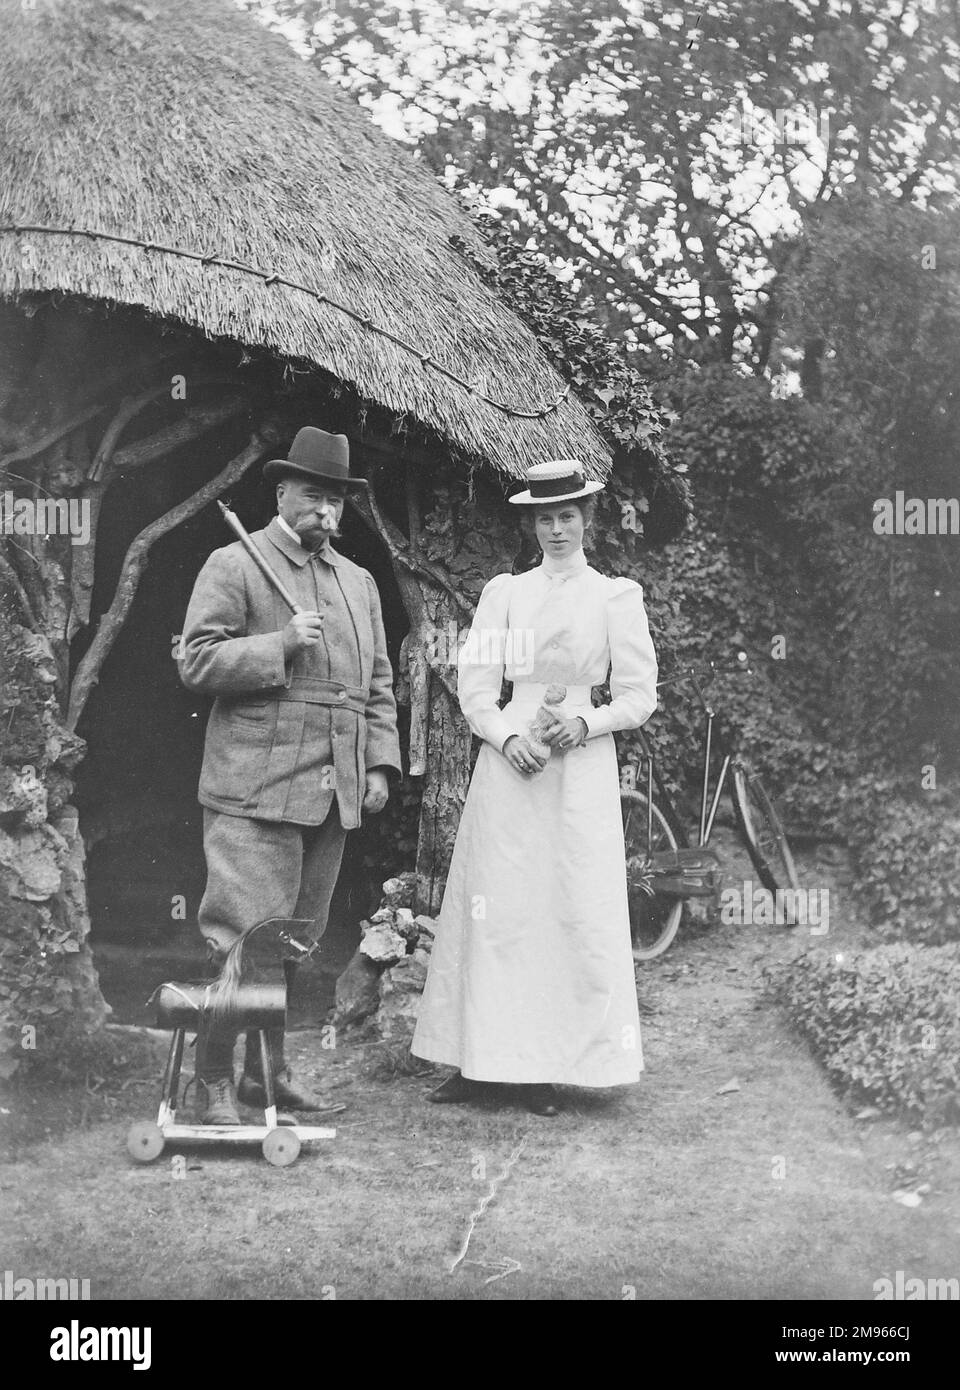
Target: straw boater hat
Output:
{"points": [[557, 480]]}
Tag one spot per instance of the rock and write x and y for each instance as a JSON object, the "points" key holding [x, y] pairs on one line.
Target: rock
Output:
{"points": [[405, 924], [34, 860], [397, 1015], [383, 914], [408, 974], [427, 926], [906, 1199], [398, 892], [23, 794], [39, 651], [382, 944], [401, 987], [357, 993]]}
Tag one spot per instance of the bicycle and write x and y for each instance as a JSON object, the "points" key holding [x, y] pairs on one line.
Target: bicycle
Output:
{"points": [[661, 871]]}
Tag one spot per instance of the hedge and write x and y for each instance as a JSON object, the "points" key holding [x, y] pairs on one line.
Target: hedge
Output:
{"points": [[884, 1023]]}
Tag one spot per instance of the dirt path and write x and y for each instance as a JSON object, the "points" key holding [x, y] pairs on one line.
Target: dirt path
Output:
{"points": [[669, 1189]]}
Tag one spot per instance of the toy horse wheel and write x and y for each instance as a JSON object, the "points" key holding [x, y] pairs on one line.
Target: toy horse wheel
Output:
{"points": [[280, 1147], [145, 1141]]}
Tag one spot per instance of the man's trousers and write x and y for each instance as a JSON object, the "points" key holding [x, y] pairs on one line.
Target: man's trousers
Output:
{"points": [[260, 869], [257, 870]]}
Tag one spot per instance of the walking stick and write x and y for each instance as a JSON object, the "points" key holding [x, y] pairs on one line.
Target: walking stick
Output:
{"points": [[237, 527]]}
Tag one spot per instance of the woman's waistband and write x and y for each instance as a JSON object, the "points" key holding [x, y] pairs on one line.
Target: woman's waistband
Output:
{"points": [[532, 693]]}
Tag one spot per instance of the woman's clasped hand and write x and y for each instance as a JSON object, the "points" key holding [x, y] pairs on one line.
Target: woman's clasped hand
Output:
{"points": [[562, 733], [566, 733]]}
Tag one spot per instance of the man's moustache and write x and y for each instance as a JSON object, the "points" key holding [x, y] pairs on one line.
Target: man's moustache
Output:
{"points": [[318, 529]]}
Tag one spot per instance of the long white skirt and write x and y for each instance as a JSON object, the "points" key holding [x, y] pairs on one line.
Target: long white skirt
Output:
{"points": [[531, 977]]}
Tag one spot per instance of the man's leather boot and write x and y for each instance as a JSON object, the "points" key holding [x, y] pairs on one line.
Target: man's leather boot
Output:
{"points": [[288, 1092], [215, 1089]]}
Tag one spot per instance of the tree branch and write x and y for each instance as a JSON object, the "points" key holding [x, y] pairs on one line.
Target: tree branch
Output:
{"points": [[194, 422], [25, 451], [131, 407], [135, 562], [53, 436], [107, 463]]}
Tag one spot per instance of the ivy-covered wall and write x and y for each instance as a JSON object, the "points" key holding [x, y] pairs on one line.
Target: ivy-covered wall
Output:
{"points": [[49, 1002]]}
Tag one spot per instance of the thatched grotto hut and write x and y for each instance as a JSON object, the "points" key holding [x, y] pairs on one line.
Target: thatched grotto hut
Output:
{"points": [[204, 246]]}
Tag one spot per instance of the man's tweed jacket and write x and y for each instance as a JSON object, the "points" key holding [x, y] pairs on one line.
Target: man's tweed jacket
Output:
{"points": [[283, 739]]}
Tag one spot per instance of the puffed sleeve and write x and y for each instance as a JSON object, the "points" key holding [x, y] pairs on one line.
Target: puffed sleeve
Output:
{"points": [[633, 664], [480, 664]]}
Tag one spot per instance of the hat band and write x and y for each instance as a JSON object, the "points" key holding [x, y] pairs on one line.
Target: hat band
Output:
{"points": [[555, 487]]}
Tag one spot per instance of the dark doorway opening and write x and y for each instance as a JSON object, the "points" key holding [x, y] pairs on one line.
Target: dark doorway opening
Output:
{"points": [[136, 789]]}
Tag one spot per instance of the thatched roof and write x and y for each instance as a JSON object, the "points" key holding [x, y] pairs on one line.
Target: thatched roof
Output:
{"points": [[186, 123]]}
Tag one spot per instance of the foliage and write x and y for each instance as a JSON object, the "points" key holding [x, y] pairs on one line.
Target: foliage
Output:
{"points": [[34, 988], [616, 133], [618, 396], [884, 1023], [704, 607], [879, 291], [906, 844], [750, 453], [22, 697], [43, 967], [74, 1052], [791, 481]]}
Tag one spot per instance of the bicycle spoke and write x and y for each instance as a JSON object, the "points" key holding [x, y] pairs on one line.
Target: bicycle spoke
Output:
{"points": [[653, 918]]}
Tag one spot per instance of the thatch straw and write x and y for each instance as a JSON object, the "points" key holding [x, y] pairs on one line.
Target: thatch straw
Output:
{"points": [[188, 124]]}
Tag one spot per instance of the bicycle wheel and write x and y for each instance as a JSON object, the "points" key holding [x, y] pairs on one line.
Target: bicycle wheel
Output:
{"points": [[653, 919], [761, 829]]}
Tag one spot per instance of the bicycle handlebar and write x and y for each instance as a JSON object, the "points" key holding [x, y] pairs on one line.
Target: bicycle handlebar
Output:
{"points": [[704, 672]]}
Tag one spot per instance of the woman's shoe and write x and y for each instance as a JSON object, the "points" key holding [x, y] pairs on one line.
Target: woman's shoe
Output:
{"points": [[541, 1100], [456, 1090]]}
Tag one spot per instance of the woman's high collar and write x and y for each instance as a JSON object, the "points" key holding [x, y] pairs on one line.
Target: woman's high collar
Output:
{"points": [[567, 565]]}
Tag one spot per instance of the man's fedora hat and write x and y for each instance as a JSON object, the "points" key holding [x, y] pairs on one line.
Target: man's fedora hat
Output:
{"points": [[316, 454], [557, 480]]}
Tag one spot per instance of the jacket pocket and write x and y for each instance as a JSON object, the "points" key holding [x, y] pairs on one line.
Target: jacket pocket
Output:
{"points": [[253, 710]]}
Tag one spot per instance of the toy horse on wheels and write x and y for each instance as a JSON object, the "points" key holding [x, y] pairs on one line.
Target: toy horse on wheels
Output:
{"points": [[251, 994]]}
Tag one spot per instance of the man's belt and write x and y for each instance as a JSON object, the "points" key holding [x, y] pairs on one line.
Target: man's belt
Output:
{"points": [[311, 690]]}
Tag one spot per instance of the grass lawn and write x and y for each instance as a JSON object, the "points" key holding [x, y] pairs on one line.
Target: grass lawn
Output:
{"points": [[668, 1189]]}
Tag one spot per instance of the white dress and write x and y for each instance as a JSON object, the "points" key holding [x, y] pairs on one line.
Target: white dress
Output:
{"points": [[531, 977]]}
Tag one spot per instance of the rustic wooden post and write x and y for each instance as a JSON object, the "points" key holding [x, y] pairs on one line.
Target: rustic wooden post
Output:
{"points": [[439, 735], [447, 770]]}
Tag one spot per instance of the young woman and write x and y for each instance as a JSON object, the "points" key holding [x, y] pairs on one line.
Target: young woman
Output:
{"points": [[531, 978]]}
